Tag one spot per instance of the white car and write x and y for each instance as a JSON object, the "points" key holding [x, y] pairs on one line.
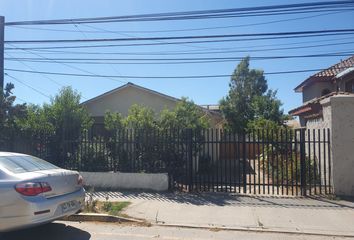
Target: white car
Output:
{"points": [[33, 191]]}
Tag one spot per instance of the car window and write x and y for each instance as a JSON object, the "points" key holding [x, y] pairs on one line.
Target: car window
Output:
{"points": [[21, 164]]}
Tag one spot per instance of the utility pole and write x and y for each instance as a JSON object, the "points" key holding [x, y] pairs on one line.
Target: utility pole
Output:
{"points": [[2, 34]]}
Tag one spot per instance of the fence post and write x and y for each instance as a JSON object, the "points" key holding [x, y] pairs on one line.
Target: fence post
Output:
{"points": [[244, 176], [303, 162], [190, 158]]}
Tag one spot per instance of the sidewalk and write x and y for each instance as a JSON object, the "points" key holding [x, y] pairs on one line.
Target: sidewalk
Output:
{"points": [[220, 210]]}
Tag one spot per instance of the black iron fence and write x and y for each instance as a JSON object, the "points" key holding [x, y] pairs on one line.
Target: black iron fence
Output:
{"points": [[285, 162]]}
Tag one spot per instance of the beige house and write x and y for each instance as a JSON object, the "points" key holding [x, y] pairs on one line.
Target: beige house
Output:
{"points": [[122, 98], [334, 81], [328, 102]]}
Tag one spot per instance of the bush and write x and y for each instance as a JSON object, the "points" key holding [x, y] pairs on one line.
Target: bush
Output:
{"points": [[286, 166]]}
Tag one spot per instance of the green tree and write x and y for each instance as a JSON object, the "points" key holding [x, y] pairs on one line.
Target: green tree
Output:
{"points": [[36, 121], [140, 117], [65, 112], [249, 99], [150, 131], [113, 121], [267, 106], [62, 121], [9, 113], [185, 115]]}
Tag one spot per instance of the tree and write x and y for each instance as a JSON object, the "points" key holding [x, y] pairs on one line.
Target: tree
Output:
{"points": [[249, 99], [185, 115], [36, 121], [61, 121], [66, 114], [140, 117], [186, 121], [148, 130], [9, 113], [113, 121], [267, 106]]}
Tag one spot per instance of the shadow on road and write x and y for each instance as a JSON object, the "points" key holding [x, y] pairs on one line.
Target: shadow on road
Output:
{"points": [[52, 231]]}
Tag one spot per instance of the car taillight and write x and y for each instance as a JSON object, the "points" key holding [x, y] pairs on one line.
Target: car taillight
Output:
{"points": [[32, 188], [80, 180]]}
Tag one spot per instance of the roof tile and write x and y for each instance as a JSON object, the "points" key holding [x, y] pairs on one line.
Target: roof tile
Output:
{"points": [[327, 74]]}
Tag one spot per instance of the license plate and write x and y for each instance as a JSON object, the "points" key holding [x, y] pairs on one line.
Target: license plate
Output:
{"points": [[68, 206]]}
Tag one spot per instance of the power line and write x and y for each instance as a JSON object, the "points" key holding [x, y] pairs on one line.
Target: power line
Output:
{"points": [[164, 60], [111, 65], [158, 41], [184, 42], [29, 86], [42, 49], [184, 29], [194, 52], [154, 77], [205, 14], [50, 79], [68, 65], [289, 34], [21, 99]]}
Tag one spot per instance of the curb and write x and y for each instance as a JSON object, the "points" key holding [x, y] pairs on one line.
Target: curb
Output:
{"points": [[98, 217], [255, 229]]}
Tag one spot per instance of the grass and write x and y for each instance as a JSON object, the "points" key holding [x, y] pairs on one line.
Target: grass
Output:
{"points": [[112, 208]]}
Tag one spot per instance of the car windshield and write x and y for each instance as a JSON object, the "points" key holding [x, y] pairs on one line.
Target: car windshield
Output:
{"points": [[21, 164]]}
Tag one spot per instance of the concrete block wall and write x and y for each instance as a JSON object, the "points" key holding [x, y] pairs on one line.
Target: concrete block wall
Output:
{"points": [[342, 131], [117, 181]]}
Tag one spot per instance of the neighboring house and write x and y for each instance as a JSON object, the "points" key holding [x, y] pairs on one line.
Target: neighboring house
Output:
{"points": [[328, 113], [122, 98], [333, 82]]}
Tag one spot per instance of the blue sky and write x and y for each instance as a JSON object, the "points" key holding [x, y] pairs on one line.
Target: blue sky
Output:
{"points": [[202, 91]]}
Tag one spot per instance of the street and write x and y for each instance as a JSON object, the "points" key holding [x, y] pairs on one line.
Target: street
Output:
{"points": [[103, 231]]}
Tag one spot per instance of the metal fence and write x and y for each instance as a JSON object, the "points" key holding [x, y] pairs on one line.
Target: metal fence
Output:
{"points": [[285, 162]]}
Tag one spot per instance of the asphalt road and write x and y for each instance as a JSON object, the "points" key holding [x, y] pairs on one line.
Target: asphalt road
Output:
{"points": [[104, 231]]}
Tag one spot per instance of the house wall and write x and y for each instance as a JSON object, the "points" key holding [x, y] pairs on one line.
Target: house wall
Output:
{"points": [[317, 129], [321, 122], [338, 116], [342, 130], [315, 90], [125, 98]]}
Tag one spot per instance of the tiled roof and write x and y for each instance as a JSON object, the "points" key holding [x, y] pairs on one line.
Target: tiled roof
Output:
{"points": [[327, 74], [308, 106]]}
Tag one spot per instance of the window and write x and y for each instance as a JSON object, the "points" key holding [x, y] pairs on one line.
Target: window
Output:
{"points": [[349, 86], [325, 92], [21, 164]]}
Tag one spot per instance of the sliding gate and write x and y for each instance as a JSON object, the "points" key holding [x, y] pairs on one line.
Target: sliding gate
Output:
{"points": [[285, 162]]}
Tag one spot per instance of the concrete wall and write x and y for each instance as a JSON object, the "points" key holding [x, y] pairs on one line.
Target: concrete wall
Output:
{"points": [[123, 99], [338, 116], [325, 121], [115, 181], [342, 130], [315, 90]]}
